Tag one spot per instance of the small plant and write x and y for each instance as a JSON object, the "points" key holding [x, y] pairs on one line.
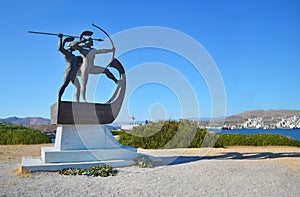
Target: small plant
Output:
{"points": [[22, 172], [143, 161], [102, 170]]}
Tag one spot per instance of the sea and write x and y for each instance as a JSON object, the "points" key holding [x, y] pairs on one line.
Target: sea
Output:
{"points": [[292, 133]]}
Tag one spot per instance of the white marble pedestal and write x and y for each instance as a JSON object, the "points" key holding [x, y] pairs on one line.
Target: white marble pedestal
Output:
{"points": [[81, 146]]}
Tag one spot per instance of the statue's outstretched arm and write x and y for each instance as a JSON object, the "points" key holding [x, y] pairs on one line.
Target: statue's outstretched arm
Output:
{"points": [[60, 44], [76, 45], [98, 51]]}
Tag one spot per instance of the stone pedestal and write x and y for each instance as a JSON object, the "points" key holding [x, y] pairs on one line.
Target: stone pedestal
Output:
{"points": [[80, 146]]}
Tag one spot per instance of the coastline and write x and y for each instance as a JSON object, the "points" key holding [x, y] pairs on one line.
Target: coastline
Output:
{"points": [[238, 171], [291, 133]]}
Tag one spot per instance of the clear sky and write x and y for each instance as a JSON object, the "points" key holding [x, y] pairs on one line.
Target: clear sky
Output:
{"points": [[255, 45]]}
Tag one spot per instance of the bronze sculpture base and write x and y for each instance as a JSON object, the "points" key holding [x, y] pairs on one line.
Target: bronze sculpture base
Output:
{"points": [[65, 112]]}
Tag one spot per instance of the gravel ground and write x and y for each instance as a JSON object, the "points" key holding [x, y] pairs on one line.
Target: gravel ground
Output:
{"points": [[235, 171]]}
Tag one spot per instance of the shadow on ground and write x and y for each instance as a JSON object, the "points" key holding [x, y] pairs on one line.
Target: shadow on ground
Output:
{"points": [[173, 160]]}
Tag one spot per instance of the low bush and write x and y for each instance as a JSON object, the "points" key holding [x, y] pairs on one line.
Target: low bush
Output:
{"points": [[168, 134], [17, 134], [255, 140], [115, 132], [186, 134]]}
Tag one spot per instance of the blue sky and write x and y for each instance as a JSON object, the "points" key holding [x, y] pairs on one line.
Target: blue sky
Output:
{"points": [[255, 45]]}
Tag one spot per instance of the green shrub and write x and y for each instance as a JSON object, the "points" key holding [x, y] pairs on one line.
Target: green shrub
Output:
{"points": [[143, 161], [255, 140], [164, 134], [186, 134], [17, 134], [115, 132]]}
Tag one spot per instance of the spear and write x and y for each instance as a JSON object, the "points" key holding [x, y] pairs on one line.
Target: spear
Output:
{"points": [[54, 34]]}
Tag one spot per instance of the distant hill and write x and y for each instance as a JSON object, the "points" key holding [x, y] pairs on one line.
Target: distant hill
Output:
{"points": [[271, 115], [26, 121]]}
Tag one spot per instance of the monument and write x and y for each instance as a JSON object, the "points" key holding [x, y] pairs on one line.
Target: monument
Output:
{"points": [[82, 137]]}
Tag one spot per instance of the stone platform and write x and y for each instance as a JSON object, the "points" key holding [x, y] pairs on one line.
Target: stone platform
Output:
{"points": [[81, 146]]}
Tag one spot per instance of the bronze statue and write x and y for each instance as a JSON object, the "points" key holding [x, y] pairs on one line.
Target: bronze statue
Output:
{"points": [[73, 64], [84, 65], [88, 54], [62, 112]]}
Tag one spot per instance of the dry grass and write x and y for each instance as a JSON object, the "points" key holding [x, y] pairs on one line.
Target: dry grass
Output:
{"points": [[21, 173], [14, 153]]}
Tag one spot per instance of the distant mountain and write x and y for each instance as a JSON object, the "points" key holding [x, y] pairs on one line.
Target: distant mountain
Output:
{"points": [[268, 116], [26, 121], [273, 114]]}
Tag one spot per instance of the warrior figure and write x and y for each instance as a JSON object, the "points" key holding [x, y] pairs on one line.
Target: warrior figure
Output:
{"points": [[73, 63], [88, 56]]}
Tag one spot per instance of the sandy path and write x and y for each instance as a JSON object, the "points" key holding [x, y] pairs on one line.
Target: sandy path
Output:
{"points": [[234, 171]]}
